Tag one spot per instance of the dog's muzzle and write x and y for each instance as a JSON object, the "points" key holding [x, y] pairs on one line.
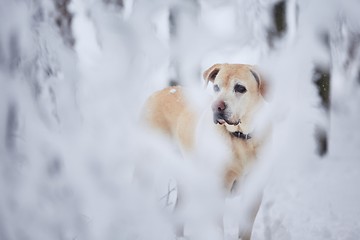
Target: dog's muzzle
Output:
{"points": [[221, 119]]}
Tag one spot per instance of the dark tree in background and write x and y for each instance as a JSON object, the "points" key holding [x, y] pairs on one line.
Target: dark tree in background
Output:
{"points": [[63, 20], [279, 26]]}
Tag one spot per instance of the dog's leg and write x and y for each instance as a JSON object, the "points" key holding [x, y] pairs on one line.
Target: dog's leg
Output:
{"points": [[250, 216]]}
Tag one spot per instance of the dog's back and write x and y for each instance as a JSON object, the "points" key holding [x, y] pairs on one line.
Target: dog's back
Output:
{"points": [[168, 111]]}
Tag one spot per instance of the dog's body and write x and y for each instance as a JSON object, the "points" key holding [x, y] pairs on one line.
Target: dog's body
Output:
{"points": [[168, 111], [239, 95]]}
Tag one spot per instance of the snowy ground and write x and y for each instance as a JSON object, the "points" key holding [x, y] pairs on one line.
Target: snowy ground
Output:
{"points": [[72, 142]]}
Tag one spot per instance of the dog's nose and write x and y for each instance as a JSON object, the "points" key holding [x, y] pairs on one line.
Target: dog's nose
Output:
{"points": [[219, 106]]}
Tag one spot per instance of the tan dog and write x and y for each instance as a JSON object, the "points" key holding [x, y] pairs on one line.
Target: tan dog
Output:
{"points": [[239, 93]]}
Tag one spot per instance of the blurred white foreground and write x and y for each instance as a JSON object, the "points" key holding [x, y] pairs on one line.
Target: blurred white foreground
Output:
{"points": [[72, 143]]}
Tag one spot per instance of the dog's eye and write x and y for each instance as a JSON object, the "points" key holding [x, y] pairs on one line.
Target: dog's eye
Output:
{"points": [[239, 88], [216, 88]]}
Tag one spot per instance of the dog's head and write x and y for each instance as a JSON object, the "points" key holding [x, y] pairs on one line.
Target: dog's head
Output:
{"points": [[239, 91]]}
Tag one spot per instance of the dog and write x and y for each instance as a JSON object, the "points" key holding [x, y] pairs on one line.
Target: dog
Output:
{"points": [[239, 94]]}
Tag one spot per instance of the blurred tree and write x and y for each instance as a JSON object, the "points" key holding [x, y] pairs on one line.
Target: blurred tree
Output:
{"points": [[119, 3], [180, 16], [321, 78], [63, 20], [279, 26]]}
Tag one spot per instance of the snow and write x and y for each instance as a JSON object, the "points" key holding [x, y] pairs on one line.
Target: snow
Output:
{"points": [[76, 163]]}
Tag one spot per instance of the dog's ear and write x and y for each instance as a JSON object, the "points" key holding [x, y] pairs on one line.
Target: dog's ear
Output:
{"points": [[210, 74], [263, 85]]}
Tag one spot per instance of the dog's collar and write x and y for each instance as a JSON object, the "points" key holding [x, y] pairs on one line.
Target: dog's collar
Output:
{"points": [[241, 135]]}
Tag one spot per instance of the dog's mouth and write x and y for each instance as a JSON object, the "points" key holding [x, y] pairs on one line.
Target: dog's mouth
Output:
{"points": [[221, 119]]}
